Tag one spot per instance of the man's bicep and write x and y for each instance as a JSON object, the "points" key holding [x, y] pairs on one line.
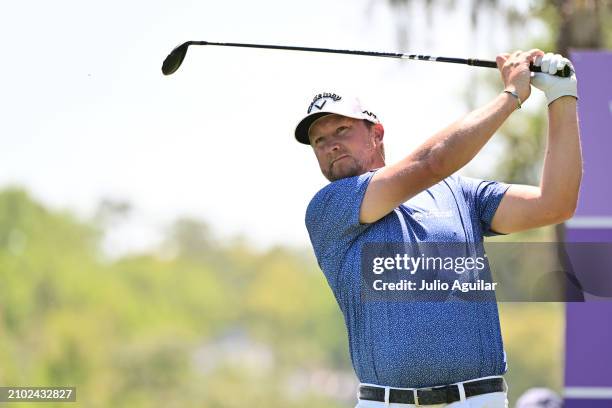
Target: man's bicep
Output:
{"points": [[522, 208]]}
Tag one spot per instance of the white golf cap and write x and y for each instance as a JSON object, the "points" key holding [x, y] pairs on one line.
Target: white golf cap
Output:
{"points": [[326, 104]]}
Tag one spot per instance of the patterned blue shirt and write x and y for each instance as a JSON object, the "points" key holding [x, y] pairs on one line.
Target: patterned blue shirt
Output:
{"points": [[409, 344]]}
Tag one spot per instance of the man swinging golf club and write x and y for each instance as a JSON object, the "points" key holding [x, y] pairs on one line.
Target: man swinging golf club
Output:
{"points": [[438, 354]]}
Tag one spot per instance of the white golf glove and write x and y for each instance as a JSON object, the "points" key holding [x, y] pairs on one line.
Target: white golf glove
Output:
{"points": [[553, 86]]}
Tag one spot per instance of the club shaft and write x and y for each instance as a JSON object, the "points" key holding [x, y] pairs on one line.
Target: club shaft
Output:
{"points": [[467, 61], [309, 49]]}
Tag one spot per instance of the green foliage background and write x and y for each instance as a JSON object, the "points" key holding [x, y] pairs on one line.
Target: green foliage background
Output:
{"points": [[192, 324]]}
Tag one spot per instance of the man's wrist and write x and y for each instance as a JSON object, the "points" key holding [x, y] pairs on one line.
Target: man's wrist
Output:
{"points": [[565, 100], [563, 109], [514, 94], [509, 101]]}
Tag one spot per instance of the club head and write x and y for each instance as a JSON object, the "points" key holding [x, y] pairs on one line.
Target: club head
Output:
{"points": [[174, 60]]}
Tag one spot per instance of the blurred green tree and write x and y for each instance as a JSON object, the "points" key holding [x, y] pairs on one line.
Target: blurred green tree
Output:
{"points": [[164, 328]]}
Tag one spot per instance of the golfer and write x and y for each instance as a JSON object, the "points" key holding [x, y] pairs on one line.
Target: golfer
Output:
{"points": [[437, 354]]}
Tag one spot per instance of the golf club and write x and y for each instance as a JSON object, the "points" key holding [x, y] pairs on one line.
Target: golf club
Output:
{"points": [[174, 60]]}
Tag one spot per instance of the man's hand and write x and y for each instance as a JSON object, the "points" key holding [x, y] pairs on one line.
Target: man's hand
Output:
{"points": [[515, 71], [554, 87]]}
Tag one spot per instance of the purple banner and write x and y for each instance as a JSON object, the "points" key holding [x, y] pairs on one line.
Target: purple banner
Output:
{"points": [[593, 70], [588, 361], [587, 403]]}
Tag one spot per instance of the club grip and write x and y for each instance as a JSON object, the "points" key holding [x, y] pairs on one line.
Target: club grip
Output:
{"points": [[565, 73]]}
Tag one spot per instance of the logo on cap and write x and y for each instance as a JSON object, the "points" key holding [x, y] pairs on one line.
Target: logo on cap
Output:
{"points": [[331, 96], [370, 114]]}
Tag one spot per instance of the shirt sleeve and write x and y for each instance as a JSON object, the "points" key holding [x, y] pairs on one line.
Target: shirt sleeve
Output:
{"points": [[484, 197], [332, 217]]}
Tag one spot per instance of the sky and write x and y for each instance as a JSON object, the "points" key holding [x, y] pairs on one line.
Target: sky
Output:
{"points": [[87, 114]]}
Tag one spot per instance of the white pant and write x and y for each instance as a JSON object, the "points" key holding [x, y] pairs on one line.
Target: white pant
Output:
{"points": [[491, 400]]}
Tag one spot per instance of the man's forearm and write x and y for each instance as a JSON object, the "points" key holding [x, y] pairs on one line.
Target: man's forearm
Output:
{"points": [[562, 171], [455, 146]]}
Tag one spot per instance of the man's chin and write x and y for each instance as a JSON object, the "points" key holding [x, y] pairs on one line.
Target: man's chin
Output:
{"points": [[339, 174]]}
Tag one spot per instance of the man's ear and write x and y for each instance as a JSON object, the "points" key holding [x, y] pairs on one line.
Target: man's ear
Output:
{"points": [[379, 132]]}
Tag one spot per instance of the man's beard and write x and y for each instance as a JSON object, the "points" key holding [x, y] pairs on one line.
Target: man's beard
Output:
{"points": [[336, 172]]}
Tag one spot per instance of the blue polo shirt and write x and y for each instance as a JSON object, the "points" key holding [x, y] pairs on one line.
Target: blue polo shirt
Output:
{"points": [[409, 344]]}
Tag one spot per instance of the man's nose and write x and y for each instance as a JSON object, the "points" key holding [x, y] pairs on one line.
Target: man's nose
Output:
{"points": [[334, 147]]}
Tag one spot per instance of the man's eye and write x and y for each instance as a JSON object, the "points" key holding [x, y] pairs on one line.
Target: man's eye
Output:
{"points": [[341, 129]]}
